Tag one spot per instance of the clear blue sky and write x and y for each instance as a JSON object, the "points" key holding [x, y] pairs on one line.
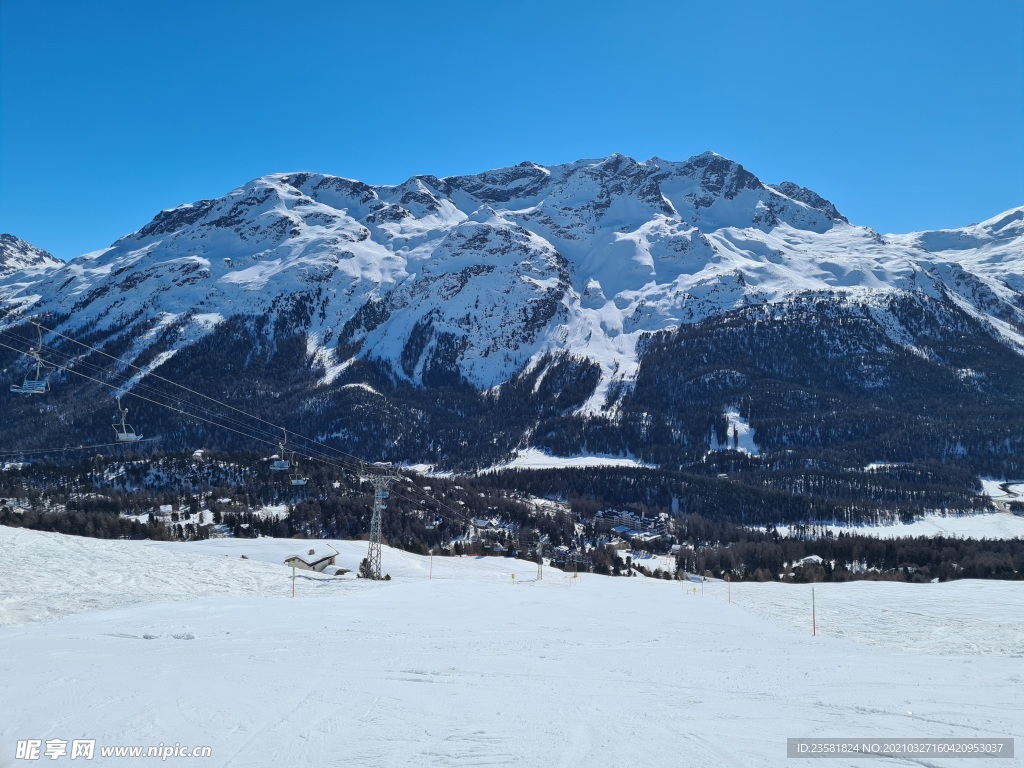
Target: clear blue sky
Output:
{"points": [[907, 114]]}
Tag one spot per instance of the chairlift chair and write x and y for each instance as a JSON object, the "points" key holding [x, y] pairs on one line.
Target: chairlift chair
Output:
{"points": [[124, 431], [39, 385], [280, 464], [296, 478], [31, 387]]}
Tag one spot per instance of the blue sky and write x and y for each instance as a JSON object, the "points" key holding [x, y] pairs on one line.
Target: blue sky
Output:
{"points": [[908, 115]]}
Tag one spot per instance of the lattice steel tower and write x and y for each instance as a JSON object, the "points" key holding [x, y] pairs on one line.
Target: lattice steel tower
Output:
{"points": [[380, 493]]}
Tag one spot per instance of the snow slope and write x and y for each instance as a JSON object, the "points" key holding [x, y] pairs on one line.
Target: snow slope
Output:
{"points": [[208, 649]]}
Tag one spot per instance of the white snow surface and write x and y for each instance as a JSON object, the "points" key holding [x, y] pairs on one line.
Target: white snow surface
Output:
{"points": [[1002, 524], [136, 643], [1002, 490], [535, 458], [739, 436], [987, 525]]}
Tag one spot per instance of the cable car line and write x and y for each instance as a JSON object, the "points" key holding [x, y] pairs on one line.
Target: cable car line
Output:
{"points": [[81, 363], [164, 405], [72, 363], [199, 394], [331, 461], [215, 419]]}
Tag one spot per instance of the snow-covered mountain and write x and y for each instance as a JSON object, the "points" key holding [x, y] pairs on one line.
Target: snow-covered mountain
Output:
{"points": [[488, 273], [489, 278]]}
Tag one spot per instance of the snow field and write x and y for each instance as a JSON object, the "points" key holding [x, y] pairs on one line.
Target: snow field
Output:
{"points": [[968, 617], [987, 525], [535, 458], [740, 436], [469, 670]]}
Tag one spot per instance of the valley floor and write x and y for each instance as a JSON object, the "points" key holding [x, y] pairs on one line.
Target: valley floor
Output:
{"points": [[142, 643]]}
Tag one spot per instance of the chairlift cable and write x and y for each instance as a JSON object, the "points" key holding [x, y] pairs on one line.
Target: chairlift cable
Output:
{"points": [[344, 461], [260, 433], [331, 461], [71, 363], [191, 391], [154, 402]]}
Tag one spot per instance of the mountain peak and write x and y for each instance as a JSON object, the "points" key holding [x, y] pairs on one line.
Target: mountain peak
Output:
{"points": [[17, 254], [721, 176], [809, 197]]}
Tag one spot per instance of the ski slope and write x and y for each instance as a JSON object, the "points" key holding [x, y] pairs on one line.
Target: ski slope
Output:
{"points": [[139, 643]]}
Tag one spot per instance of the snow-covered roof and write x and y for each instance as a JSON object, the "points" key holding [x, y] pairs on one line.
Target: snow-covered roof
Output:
{"points": [[314, 555]]}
